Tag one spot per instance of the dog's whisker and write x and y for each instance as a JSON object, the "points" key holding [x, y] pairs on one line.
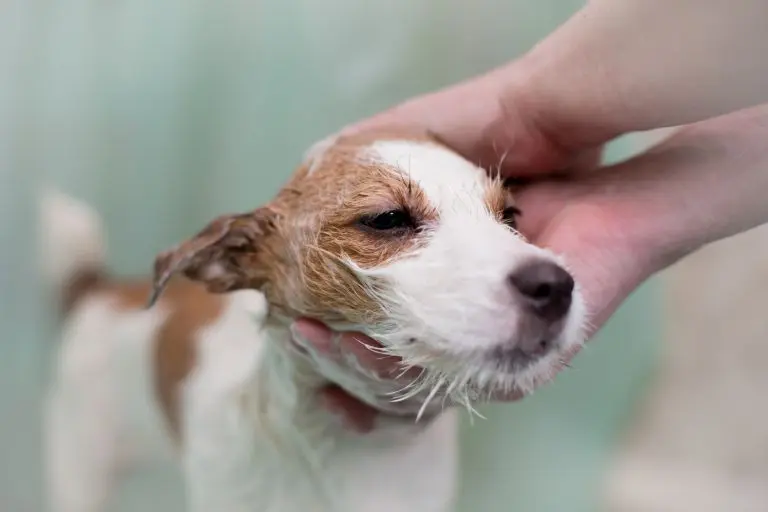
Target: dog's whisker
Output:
{"points": [[429, 398]]}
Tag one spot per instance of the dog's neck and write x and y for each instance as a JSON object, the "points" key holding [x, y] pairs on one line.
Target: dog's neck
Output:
{"points": [[301, 448], [282, 397], [284, 383]]}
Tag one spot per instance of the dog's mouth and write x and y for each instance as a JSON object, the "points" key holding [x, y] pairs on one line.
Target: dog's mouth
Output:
{"points": [[475, 377], [513, 360]]}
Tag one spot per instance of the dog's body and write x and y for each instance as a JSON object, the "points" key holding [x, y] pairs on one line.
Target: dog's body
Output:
{"points": [[380, 234], [104, 414]]}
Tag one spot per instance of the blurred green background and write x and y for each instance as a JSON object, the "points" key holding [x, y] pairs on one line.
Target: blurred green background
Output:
{"points": [[163, 114]]}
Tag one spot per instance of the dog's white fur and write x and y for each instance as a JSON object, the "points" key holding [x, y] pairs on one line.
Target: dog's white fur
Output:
{"points": [[466, 256], [239, 454], [71, 237]]}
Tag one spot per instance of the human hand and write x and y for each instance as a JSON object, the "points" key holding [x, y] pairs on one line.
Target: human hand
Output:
{"points": [[544, 113], [492, 120], [497, 121], [573, 216]]}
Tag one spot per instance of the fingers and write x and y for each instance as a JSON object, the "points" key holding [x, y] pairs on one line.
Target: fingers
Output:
{"points": [[309, 334], [480, 119], [457, 115], [363, 350], [355, 352], [341, 347], [587, 160], [360, 350], [470, 119]]}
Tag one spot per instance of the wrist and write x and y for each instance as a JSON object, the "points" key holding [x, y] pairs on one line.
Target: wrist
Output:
{"points": [[568, 94], [616, 67], [705, 183]]}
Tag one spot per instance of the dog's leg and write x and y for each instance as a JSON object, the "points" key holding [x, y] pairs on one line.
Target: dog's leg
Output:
{"points": [[81, 450]]}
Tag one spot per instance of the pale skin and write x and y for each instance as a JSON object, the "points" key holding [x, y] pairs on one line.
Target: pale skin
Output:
{"points": [[615, 67]]}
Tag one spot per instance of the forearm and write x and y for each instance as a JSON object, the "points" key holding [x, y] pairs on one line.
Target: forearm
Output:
{"points": [[707, 182], [628, 65]]}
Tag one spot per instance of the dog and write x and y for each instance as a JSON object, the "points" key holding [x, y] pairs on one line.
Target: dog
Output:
{"points": [[389, 233]]}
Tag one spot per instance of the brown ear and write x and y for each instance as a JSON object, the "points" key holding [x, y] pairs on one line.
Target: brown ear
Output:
{"points": [[218, 256]]}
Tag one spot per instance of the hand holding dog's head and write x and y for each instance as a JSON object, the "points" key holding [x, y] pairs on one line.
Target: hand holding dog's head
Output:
{"points": [[397, 236]]}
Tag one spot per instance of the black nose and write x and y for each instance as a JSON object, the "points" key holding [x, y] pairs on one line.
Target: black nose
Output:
{"points": [[545, 287]]}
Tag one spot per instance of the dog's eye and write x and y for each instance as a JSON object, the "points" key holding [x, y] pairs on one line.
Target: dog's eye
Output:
{"points": [[388, 221], [509, 216]]}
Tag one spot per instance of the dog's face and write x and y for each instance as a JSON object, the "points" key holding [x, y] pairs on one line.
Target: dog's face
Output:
{"points": [[403, 239]]}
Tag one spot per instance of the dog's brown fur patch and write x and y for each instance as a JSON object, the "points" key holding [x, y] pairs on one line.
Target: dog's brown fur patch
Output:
{"points": [[79, 286], [312, 225], [294, 248], [190, 309]]}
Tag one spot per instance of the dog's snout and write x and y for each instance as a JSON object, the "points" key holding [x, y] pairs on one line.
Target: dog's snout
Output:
{"points": [[545, 287]]}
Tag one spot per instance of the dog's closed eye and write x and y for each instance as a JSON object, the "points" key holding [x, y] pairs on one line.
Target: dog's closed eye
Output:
{"points": [[390, 222], [509, 216]]}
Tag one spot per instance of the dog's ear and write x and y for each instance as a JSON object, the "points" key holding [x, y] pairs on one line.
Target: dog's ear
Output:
{"points": [[221, 256]]}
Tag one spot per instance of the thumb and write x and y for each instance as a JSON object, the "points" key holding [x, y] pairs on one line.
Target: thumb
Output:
{"points": [[603, 264], [486, 120]]}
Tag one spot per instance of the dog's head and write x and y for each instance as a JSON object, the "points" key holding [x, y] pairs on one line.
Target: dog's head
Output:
{"points": [[399, 237]]}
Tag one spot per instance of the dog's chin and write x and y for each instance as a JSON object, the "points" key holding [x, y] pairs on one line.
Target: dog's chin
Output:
{"points": [[500, 376], [510, 370], [472, 378], [450, 372]]}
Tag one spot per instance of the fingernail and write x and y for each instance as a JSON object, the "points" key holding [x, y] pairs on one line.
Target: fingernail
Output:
{"points": [[308, 334]]}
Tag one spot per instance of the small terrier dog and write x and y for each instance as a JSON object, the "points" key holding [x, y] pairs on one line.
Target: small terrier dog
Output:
{"points": [[389, 233]]}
